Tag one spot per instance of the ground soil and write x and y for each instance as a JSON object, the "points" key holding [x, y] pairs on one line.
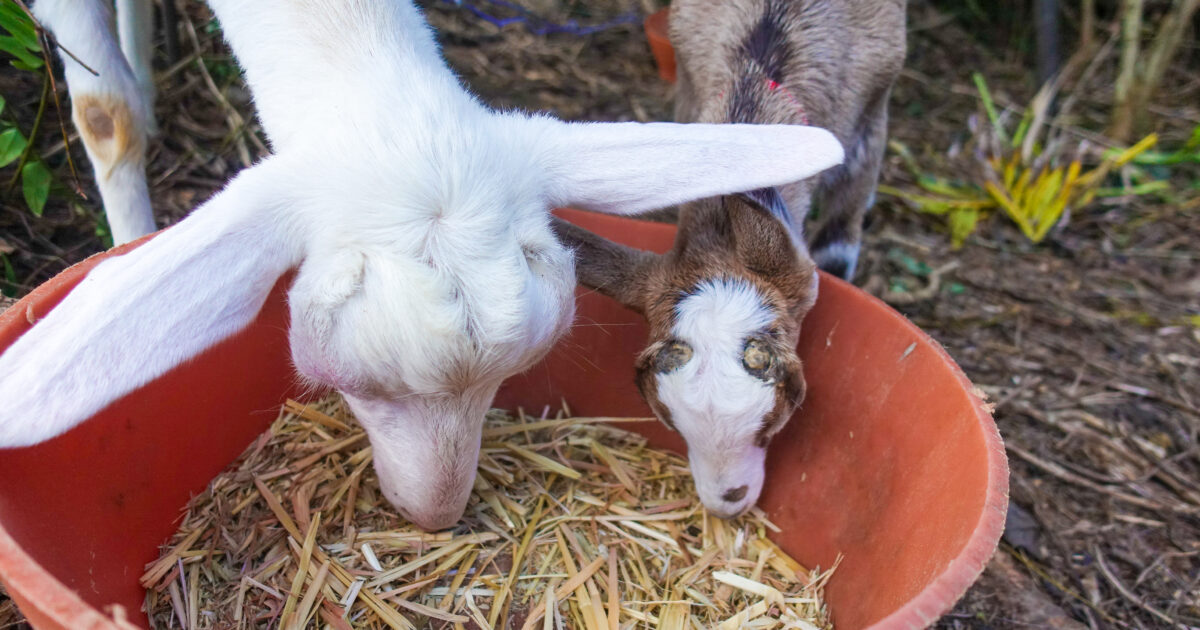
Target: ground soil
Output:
{"points": [[1088, 344]]}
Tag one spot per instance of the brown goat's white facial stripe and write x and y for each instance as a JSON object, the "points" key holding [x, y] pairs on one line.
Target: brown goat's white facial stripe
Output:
{"points": [[715, 402], [713, 387]]}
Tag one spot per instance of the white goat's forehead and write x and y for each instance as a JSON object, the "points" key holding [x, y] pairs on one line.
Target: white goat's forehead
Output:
{"points": [[713, 400], [454, 277]]}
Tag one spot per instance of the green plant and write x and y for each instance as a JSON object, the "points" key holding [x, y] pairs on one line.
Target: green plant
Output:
{"points": [[33, 174], [10, 277], [1033, 179], [1189, 153], [21, 40], [21, 36]]}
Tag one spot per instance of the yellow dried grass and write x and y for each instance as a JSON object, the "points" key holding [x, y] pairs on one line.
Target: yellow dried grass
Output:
{"points": [[573, 524]]}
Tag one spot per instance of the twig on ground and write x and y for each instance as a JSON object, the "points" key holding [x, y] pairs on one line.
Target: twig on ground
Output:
{"points": [[1128, 594]]}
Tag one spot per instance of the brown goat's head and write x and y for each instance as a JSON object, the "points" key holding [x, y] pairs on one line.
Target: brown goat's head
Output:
{"points": [[724, 308]]}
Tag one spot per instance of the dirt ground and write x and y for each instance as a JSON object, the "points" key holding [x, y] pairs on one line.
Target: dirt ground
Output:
{"points": [[1088, 344]]}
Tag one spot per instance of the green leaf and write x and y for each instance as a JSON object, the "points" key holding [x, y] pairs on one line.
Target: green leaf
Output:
{"points": [[14, 47], [35, 184], [940, 186], [11, 14], [908, 263], [12, 143], [989, 106], [24, 67], [962, 224], [17, 22], [2, 103], [10, 275], [1023, 128], [103, 231]]}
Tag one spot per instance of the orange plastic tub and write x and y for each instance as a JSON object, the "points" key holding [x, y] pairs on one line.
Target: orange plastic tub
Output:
{"points": [[660, 44], [659, 39], [891, 461]]}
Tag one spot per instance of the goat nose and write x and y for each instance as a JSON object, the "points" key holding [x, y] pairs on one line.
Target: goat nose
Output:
{"points": [[435, 522], [431, 521], [733, 495]]}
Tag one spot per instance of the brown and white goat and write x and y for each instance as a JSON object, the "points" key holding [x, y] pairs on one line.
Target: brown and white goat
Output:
{"points": [[725, 304]]}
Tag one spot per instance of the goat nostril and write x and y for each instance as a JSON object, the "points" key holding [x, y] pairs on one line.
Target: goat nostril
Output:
{"points": [[734, 495]]}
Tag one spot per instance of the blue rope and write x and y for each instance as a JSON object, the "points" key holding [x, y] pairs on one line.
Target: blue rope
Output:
{"points": [[538, 25]]}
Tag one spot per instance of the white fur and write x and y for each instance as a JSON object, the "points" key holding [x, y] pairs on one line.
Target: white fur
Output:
{"points": [[420, 224], [135, 31], [715, 403], [690, 162]]}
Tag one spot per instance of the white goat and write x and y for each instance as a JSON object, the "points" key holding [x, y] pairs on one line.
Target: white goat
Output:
{"points": [[419, 221]]}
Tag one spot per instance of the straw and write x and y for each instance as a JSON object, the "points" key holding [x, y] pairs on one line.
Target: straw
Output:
{"points": [[573, 523]]}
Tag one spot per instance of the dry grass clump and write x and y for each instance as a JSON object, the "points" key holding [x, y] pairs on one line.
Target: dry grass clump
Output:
{"points": [[573, 524]]}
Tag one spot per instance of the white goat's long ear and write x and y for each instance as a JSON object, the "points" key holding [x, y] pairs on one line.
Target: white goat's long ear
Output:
{"points": [[136, 316], [628, 168]]}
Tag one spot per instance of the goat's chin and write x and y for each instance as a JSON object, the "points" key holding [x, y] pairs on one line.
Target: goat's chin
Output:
{"points": [[728, 481], [426, 450], [435, 523], [431, 492], [432, 502], [723, 512]]}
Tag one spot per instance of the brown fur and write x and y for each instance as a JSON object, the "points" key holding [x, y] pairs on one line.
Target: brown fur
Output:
{"points": [[843, 56], [108, 131]]}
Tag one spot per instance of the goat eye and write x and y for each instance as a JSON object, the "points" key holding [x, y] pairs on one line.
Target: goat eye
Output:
{"points": [[758, 359], [672, 357]]}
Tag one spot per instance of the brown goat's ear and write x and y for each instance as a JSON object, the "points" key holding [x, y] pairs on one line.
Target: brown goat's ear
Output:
{"points": [[767, 246], [615, 270], [762, 240]]}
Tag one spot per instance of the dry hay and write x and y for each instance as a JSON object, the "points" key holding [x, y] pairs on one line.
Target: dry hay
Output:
{"points": [[568, 515], [10, 617]]}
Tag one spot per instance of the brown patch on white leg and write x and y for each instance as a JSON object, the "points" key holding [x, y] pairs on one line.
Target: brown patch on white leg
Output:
{"points": [[115, 139], [109, 132], [99, 122]]}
